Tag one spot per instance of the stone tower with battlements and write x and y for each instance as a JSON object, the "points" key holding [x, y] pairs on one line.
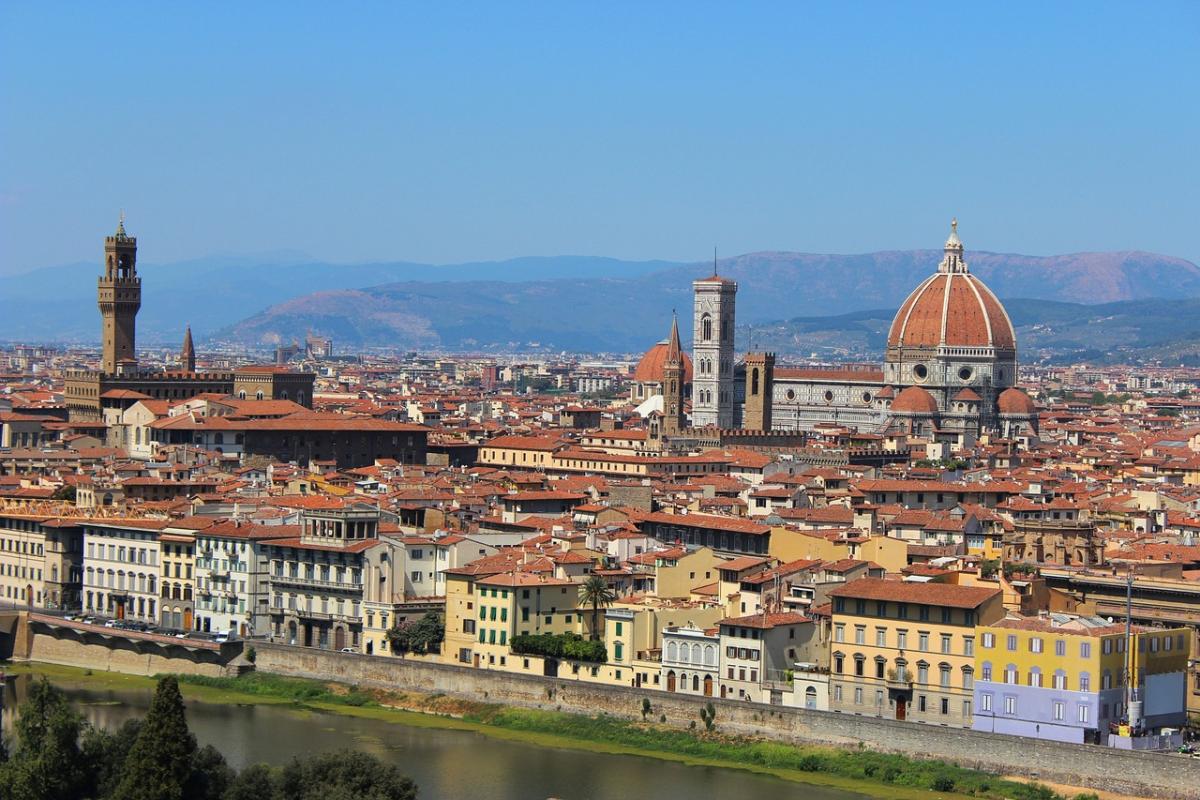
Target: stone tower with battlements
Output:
{"points": [[119, 296]]}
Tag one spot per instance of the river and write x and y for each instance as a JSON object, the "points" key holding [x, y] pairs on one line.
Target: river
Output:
{"points": [[446, 764]]}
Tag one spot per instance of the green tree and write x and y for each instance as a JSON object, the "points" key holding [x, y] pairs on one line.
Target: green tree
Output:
{"points": [[160, 762], [255, 782], [104, 754], [210, 777], [46, 763], [596, 592], [344, 775], [424, 635]]}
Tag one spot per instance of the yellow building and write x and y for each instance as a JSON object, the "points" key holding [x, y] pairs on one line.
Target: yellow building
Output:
{"points": [[906, 650], [790, 544], [633, 633], [677, 577], [178, 585], [1062, 677]]}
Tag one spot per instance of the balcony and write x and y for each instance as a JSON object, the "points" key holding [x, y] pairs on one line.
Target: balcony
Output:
{"points": [[899, 681], [296, 580]]}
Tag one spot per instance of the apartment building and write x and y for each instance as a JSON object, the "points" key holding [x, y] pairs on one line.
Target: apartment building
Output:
{"points": [[906, 649], [121, 568], [1062, 677]]}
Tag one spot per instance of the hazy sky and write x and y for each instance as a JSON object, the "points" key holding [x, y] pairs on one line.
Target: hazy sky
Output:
{"points": [[447, 132]]}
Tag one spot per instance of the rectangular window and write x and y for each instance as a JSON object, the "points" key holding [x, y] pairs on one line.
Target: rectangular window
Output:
{"points": [[1083, 713], [985, 702], [1010, 705], [989, 641], [1035, 644], [1060, 648], [1058, 710], [945, 706], [1085, 682], [860, 634], [946, 643], [1011, 643], [881, 637], [858, 695], [968, 646], [921, 702], [839, 632], [902, 640], [923, 641]]}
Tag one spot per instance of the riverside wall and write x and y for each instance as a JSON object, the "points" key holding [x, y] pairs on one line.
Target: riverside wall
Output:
{"points": [[1140, 774]]}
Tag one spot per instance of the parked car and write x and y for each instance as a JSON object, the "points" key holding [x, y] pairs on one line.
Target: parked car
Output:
{"points": [[112, 623], [348, 650]]}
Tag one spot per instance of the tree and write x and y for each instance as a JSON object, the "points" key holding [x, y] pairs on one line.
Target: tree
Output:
{"points": [[344, 775], [46, 763], [104, 754], [596, 592], [160, 761], [255, 782], [210, 777], [425, 635]]}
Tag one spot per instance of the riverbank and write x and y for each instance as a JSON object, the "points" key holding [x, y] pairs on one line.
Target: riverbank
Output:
{"points": [[874, 774]]}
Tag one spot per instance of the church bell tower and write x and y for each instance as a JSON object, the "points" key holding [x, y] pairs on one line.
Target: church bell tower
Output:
{"points": [[119, 296]]}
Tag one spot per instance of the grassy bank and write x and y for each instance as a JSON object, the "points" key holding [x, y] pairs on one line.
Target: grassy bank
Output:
{"points": [[863, 771]]}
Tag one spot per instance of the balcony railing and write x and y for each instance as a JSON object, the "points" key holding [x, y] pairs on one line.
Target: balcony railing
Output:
{"points": [[296, 580]]}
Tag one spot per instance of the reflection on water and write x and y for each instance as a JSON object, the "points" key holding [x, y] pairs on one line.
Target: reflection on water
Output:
{"points": [[446, 764]]}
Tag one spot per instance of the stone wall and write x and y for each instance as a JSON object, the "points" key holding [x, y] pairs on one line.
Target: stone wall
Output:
{"points": [[1143, 774], [114, 656]]}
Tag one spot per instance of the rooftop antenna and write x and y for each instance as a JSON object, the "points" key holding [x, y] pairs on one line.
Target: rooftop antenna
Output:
{"points": [[714, 261]]}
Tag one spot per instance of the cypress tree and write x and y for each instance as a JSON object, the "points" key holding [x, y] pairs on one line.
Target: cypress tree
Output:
{"points": [[46, 764], [160, 762]]}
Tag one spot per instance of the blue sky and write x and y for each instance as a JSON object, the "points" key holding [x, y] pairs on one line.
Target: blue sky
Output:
{"points": [[447, 132]]}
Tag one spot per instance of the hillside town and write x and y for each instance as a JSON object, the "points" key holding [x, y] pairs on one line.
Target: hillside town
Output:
{"points": [[949, 538]]}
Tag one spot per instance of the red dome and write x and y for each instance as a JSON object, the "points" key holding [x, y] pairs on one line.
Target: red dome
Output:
{"points": [[914, 400], [952, 309], [650, 368], [1014, 401]]}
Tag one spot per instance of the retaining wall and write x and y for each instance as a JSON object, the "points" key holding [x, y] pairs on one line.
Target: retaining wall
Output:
{"points": [[1142, 774]]}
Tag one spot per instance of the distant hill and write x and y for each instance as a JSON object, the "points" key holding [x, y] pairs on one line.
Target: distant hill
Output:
{"points": [[626, 314], [1167, 331], [570, 302], [59, 303]]}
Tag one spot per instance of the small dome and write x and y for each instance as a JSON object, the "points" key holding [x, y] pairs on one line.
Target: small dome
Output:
{"points": [[650, 368], [886, 393], [914, 400], [1014, 401], [967, 395]]}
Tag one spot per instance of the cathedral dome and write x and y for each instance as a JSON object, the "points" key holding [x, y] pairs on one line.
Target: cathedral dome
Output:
{"points": [[1015, 402], [914, 400], [650, 368], [952, 308]]}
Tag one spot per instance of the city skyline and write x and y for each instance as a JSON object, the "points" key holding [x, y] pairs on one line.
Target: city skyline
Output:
{"points": [[474, 134]]}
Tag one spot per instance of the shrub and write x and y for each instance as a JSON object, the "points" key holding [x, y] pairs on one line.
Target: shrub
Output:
{"points": [[942, 783]]}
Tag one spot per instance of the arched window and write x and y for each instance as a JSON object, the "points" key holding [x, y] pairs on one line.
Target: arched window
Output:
{"points": [[684, 651], [697, 658], [695, 683], [1060, 679], [1011, 675], [710, 655], [706, 327], [672, 651], [258, 395], [219, 438]]}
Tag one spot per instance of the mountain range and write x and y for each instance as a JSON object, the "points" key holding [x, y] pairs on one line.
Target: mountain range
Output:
{"points": [[785, 301]]}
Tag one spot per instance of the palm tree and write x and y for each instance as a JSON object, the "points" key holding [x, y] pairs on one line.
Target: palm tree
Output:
{"points": [[596, 592]]}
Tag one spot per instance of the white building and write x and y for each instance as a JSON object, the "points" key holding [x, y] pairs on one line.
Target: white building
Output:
{"points": [[690, 660], [121, 569]]}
